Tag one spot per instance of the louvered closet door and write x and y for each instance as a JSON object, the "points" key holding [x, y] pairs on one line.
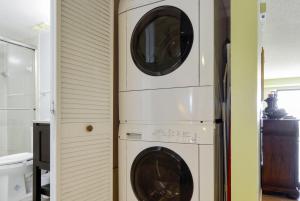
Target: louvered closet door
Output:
{"points": [[84, 90]]}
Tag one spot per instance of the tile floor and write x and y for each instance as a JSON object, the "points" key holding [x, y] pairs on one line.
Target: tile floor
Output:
{"points": [[275, 198]]}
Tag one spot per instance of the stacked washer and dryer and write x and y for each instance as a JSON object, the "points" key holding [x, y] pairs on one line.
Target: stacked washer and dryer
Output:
{"points": [[169, 91]]}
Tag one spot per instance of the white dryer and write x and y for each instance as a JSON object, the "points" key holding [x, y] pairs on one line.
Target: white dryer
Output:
{"points": [[166, 44], [166, 162], [167, 63]]}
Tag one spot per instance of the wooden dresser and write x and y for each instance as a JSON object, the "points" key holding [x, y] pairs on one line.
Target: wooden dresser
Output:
{"points": [[280, 145]]}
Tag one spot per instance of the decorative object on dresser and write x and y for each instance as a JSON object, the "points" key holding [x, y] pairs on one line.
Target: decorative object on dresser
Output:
{"points": [[41, 158], [272, 111], [280, 167]]}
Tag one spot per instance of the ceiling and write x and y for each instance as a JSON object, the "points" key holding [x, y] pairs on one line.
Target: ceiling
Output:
{"points": [[17, 18], [281, 39]]}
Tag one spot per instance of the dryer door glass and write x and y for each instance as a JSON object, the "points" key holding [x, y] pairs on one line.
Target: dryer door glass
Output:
{"points": [[162, 40], [158, 173]]}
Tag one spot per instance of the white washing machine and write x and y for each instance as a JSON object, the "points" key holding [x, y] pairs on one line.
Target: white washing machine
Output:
{"points": [[166, 162], [166, 44], [167, 64]]}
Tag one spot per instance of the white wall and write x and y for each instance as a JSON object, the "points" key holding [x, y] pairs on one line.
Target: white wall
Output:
{"points": [[44, 76]]}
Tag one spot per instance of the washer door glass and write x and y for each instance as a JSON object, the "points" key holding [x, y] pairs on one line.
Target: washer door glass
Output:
{"points": [[162, 40], [158, 173]]}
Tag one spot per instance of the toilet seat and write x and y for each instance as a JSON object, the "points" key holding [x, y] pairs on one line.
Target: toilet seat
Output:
{"points": [[16, 176]]}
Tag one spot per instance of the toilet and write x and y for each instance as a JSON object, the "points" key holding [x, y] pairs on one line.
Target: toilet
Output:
{"points": [[16, 177]]}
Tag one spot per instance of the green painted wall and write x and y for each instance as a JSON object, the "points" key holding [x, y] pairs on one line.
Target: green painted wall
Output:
{"points": [[281, 84], [245, 100]]}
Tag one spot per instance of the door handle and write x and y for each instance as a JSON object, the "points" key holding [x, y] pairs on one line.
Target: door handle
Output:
{"points": [[89, 128]]}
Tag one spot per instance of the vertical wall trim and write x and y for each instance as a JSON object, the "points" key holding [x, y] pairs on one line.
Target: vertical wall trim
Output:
{"points": [[55, 97], [245, 101]]}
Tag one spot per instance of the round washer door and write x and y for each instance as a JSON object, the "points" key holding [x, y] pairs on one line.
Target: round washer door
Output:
{"points": [[162, 40], [158, 173]]}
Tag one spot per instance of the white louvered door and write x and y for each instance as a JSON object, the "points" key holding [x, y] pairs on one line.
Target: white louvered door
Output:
{"points": [[83, 101]]}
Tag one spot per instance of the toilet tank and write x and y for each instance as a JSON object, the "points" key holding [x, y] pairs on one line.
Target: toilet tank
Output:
{"points": [[126, 5]]}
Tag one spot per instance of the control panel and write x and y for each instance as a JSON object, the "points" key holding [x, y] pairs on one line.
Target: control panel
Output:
{"points": [[175, 135], [202, 133]]}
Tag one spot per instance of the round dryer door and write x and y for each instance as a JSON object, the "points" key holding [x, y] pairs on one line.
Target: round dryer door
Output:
{"points": [[159, 173], [162, 40]]}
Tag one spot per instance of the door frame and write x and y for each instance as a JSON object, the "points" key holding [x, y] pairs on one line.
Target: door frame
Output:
{"points": [[54, 121]]}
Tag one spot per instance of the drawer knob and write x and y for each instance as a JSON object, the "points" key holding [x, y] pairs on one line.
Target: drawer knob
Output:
{"points": [[89, 128]]}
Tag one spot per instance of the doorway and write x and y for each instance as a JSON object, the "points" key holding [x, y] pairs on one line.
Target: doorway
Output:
{"points": [[24, 92], [280, 127]]}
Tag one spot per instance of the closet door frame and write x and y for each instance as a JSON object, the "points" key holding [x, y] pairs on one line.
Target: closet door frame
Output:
{"points": [[55, 78]]}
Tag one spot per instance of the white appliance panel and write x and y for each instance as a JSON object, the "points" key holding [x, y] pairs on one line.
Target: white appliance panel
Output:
{"points": [[206, 172], [122, 150], [181, 104], [185, 133], [125, 5], [207, 43], [122, 53]]}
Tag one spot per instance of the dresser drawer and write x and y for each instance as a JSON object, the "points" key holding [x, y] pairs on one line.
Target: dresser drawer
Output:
{"points": [[281, 127]]}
